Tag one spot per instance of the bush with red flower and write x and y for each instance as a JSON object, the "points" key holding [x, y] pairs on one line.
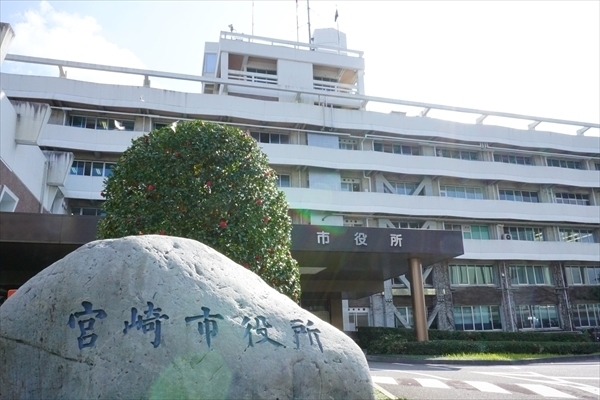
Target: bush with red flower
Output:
{"points": [[210, 183]]}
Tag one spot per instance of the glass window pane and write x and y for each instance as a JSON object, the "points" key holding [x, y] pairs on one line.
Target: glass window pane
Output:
{"points": [[458, 319], [592, 275], [522, 275], [530, 275], [553, 316], [97, 168], [486, 318], [576, 275], [464, 278], [87, 168], [497, 322], [472, 278], [477, 318], [467, 318], [479, 275], [108, 169], [539, 275], [102, 123], [454, 275]]}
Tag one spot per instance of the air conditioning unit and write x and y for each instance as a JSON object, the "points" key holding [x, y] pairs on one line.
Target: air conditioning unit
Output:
{"points": [[506, 236]]}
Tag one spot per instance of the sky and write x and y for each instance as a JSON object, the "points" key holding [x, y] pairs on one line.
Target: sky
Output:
{"points": [[539, 58]]}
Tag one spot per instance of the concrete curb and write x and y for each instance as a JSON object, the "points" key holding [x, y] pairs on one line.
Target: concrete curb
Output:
{"points": [[549, 360]]}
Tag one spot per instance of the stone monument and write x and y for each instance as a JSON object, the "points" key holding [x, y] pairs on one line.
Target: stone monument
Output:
{"points": [[158, 317]]}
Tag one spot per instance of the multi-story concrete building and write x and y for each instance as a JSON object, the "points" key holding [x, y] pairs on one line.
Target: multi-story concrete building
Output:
{"points": [[527, 201]]}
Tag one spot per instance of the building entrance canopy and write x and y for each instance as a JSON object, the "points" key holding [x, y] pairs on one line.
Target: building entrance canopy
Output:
{"points": [[356, 260]]}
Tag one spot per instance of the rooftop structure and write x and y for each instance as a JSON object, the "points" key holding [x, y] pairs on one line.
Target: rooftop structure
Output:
{"points": [[526, 201]]}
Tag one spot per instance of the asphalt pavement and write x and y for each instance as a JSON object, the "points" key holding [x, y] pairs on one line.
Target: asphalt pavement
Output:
{"points": [[454, 379]]}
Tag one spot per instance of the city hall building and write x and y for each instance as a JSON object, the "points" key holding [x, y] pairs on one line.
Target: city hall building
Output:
{"points": [[503, 223]]}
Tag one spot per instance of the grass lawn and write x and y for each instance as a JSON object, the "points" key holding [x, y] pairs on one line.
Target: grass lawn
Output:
{"points": [[496, 356]]}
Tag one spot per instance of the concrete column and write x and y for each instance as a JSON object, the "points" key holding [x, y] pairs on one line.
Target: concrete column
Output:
{"points": [[418, 300], [443, 293], [335, 309]]}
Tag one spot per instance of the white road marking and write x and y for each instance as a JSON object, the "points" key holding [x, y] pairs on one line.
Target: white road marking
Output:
{"points": [[438, 366], [384, 379], [589, 389], [429, 375], [432, 383], [546, 391], [487, 387]]}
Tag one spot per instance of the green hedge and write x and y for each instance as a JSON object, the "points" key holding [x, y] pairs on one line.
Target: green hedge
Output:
{"points": [[388, 344], [367, 335]]}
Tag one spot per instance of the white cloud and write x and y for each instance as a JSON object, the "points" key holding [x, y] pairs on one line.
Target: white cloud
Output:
{"points": [[46, 32]]}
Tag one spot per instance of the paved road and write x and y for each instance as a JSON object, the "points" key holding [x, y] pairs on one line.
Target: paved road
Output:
{"points": [[573, 380]]}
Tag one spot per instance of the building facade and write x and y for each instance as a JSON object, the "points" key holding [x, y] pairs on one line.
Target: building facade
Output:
{"points": [[527, 201]]}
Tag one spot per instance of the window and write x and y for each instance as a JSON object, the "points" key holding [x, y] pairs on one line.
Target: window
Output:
{"points": [[328, 87], [474, 232], [524, 233], [505, 158], [406, 313], [477, 318], [275, 138], [347, 144], [396, 149], [530, 275], [350, 185], [461, 192], [537, 317], [401, 188], [283, 180], [101, 123], [407, 224], [458, 154], [210, 63], [586, 315], [475, 275], [577, 235], [553, 162], [597, 166], [261, 79], [518, 195], [91, 168], [87, 211], [583, 275], [353, 222], [572, 198], [159, 125]]}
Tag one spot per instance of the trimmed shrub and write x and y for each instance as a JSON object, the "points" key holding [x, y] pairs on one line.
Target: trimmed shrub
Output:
{"points": [[368, 335]]}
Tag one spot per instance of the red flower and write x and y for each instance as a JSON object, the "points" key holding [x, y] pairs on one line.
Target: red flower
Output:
{"points": [[208, 183], [246, 265], [177, 154], [258, 202], [150, 188], [162, 232], [223, 224], [258, 258], [266, 219]]}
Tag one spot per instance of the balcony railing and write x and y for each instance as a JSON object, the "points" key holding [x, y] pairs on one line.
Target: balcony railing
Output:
{"points": [[335, 87], [256, 77]]}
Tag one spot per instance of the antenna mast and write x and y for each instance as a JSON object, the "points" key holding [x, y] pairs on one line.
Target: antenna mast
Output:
{"points": [[309, 31]]}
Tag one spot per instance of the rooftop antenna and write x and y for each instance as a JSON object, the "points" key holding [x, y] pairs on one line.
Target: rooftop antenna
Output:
{"points": [[338, 24], [231, 28], [309, 31], [297, 34]]}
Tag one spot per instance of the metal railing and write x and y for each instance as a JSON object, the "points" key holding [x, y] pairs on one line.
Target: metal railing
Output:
{"points": [[426, 107]]}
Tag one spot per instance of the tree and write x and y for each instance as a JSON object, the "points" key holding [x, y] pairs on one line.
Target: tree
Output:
{"points": [[209, 183]]}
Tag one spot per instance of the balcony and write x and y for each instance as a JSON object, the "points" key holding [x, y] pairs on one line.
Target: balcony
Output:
{"points": [[427, 165], [73, 138], [335, 87], [434, 206]]}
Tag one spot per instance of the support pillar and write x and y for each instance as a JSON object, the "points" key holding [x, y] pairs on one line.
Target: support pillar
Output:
{"points": [[418, 300]]}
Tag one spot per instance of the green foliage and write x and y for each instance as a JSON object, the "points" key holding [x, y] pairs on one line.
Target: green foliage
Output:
{"points": [[209, 183], [367, 336]]}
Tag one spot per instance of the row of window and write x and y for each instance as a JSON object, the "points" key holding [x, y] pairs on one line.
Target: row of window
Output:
{"points": [[485, 318], [87, 211], [583, 275], [482, 275], [92, 168], [101, 123]]}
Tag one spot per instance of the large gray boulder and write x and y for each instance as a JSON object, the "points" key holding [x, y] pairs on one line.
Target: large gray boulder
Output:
{"points": [[164, 318]]}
